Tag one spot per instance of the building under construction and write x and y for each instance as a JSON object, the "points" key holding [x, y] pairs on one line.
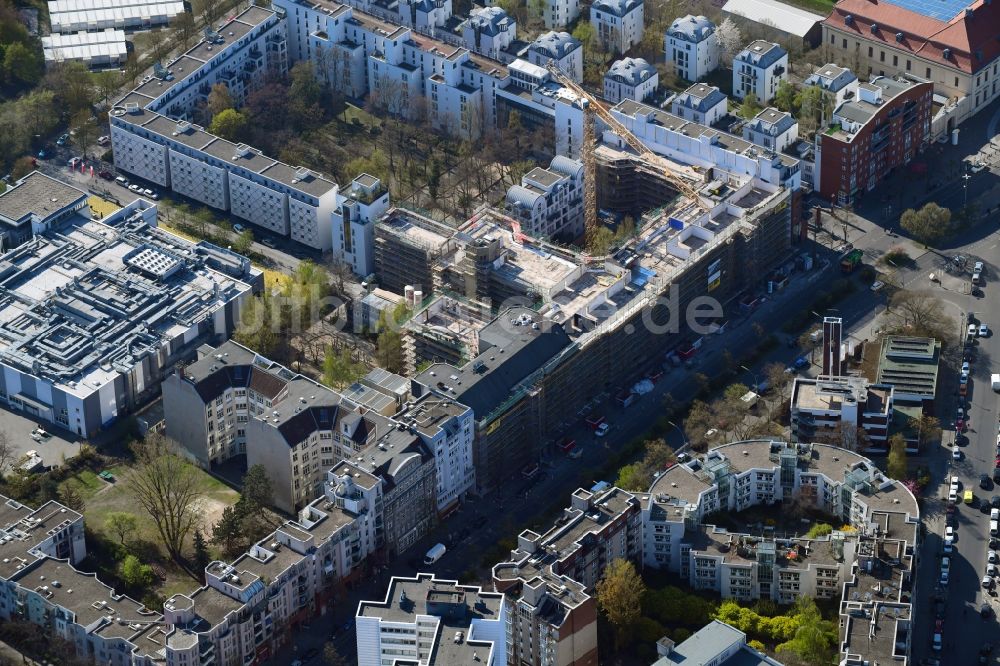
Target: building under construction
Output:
{"points": [[608, 320]]}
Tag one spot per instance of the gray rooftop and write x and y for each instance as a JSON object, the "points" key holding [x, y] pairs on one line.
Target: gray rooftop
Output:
{"points": [[710, 644], [455, 606], [761, 53], [632, 71], [771, 121], [700, 97], [831, 77], [72, 297], [514, 345], [39, 195], [616, 7], [691, 28], [555, 44]]}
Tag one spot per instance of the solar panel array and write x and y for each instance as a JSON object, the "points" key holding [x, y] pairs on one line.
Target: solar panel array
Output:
{"points": [[942, 10]]}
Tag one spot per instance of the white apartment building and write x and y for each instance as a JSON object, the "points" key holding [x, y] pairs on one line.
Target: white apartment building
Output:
{"points": [[560, 48], [424, 14], [353, 223], [771, 128], [549, 202], [557, 14], [838, 82], [489, 31], [701, 103], [152, 139], [692, 46], [693, 144], [619, 24], [446, 428], [737, 476], [542, 101], [426, 620], [851, 402], [630, 78], [758, 69]]}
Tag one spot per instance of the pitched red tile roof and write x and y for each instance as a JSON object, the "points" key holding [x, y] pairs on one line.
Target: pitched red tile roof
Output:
{"points": [[971, 38]]}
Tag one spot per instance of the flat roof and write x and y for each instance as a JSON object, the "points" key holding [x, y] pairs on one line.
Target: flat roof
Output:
{"points": [[910, 364], [299, 178], [71, 296], [85, 45], [780, 15], [39, 195]]}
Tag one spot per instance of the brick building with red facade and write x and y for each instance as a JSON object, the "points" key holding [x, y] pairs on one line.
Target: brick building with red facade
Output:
{"points": [[885, 126]]}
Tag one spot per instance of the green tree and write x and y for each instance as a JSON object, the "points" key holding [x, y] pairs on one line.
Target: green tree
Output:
{"points": [[244, 242], [389, 346], [785, 96], [750, 106], [600, 240], [619, 596], [634, 477], [257, 492], [230, 124], [340, 369], [24, 64], [70, 496], [814, 639], [819, 530], [896, 464], [260, 323], [929, 224], [121, 524], [108, 83], [136, 575], [815, 106], [228, 532], [219, 99], [202, 558]]}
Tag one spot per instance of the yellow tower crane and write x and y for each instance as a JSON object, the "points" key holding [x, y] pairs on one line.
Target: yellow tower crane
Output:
{"points": [[594, 107]]}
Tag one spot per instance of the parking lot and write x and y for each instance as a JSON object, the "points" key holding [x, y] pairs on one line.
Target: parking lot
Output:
{"points": [[17, 426]]}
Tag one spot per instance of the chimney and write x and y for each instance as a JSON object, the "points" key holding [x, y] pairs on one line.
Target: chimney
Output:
{"points": [[832, 333]]}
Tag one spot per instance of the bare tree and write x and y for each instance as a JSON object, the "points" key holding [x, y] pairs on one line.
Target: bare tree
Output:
{"points": [[8, 454], [918, 313], [167, 487]]}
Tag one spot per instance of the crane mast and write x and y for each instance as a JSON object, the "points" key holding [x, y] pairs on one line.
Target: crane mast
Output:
{"points": [[594, 107]]}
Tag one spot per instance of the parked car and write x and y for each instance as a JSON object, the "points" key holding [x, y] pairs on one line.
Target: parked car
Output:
{"points": [[134, 188], [238, 228], [106, 175], [62, 140], [602, 430], [984, 481], [268, 242], [103, 140], [122, 180], [956, 453], [984, 330], [965, 368]]}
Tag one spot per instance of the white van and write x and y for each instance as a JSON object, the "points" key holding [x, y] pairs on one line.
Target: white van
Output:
{"points": [[435, 553], [993, 528]]}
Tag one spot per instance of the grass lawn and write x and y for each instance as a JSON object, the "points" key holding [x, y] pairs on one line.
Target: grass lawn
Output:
{"points": [[365, 118], [823, 7], [102, 498], [274, 279]]}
